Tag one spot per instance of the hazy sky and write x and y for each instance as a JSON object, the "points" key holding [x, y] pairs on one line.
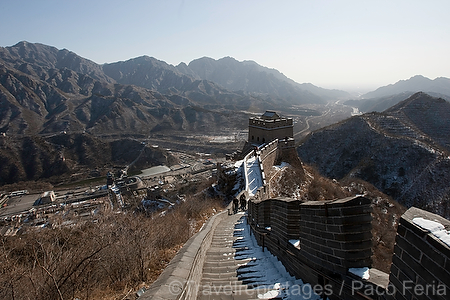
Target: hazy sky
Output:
{"points": [[332, 44]]}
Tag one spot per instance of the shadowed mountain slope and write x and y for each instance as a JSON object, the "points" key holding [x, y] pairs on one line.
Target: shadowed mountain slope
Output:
{"points": [[404, 151], [46, 90], [64, 157], [383, 103]]}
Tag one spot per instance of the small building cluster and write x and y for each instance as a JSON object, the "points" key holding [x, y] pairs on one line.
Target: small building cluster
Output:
{"points": [[46, 198]]}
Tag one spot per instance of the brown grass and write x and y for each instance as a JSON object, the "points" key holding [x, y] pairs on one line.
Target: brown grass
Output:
{"points": [[305, 183], [102, 260]]}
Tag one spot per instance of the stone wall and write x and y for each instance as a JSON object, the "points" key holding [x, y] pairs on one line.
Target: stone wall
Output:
{"points": [[265, 130], [269, 154], [317, 241], [322, 241], [421, 263]]}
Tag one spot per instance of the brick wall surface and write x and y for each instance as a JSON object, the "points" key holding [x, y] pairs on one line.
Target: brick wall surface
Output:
{"points": [[421, 263], [336, 235]]}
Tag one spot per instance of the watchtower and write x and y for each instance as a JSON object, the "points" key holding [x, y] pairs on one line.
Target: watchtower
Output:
{"points": [[268, 127]]}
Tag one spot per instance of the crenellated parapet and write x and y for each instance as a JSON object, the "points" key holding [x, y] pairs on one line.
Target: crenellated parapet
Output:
{"points": [[329, 244], [421, 262], [269, 123]]}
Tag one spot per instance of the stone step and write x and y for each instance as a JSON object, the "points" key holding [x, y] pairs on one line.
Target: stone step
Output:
{"points": [[225, 269]]}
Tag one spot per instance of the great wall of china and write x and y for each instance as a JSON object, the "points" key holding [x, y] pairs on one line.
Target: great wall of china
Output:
{"points": [[325, 243]]}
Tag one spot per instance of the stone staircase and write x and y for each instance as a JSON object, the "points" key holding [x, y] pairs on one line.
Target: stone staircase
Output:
{"points": [[223, 262], [223, 277]]}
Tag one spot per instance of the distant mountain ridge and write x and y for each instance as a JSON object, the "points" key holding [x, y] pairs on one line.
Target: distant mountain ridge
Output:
{"points": [[387, 96], [224, 74], [414, 84], [44, 89], [24, 55], [48, 95], [251, 77], [148, 72], [404, 151]]}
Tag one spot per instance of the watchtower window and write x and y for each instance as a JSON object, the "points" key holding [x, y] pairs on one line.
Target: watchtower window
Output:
{"points": [[253, 137], [264, 140], [257, 138]]}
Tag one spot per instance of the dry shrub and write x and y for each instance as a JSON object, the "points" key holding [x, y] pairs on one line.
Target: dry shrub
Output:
{"points": [[285, 183], [31, 186], [101, 260], [305, 183], [322, 188]]}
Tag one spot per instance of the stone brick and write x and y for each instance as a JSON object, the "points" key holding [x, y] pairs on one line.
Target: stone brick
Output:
{"points": [[307, 217], [394, 270], [360, 245], [321, 226], [351, 201], [334, 228], [397, 250], [361, 263], [327, 250], [395, 282], [401, 231], [356, 210], [436, 269], [334, 244], [400, 296], [358, 219], [439, 245], [356, 228], [417, 268], [334, 260], [309, 259], [353, 237], [332, 211], [353, 255], [417, 230], [324, 235], [412, 250], [425, 247], [403, 267]]}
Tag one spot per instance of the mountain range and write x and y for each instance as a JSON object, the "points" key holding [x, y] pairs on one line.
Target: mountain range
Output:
{"points": [[403, 151], [58, 111], [387, 96], [45, 90], [418, 83], [56, 107]]}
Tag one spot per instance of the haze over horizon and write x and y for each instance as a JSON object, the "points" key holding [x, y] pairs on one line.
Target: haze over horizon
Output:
{"points": [[350, 45]]}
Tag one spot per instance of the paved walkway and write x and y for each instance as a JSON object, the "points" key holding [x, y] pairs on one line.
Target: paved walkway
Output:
{"points": [[221, 262], [254, 179]]}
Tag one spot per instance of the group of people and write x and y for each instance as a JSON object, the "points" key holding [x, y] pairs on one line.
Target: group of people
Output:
{"points": [[239, 204]]}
